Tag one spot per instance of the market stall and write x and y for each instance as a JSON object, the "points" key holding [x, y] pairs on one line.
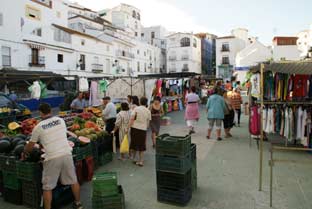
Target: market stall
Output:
{"points": [[281, 105]]}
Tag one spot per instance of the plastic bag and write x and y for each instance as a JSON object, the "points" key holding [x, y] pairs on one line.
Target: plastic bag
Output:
{"points": [[124, 147]]}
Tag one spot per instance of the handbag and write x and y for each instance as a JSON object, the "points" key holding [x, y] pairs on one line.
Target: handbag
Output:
{"points": [[124, 147]]}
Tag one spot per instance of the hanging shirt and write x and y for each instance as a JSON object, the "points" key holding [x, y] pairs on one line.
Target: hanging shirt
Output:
{"points": [[94, 99], [264, 119], [286, 129], [83, 85], [290, 87], [103, 85], [255, 85], [299, 123], [268, 85], [304, 138], [35, 90], [300, 86]]}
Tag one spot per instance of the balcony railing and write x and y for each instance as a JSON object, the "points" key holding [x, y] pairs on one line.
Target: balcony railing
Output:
{"points": [[82, 66], [172, 58], [185, 57], [225, 62], [97, 68], [36, 61], [172, 70], [225, 49], [185, 69], [122, 53]]}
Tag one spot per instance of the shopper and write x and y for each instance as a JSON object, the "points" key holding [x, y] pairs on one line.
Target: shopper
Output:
{"points": [[192, 110], [140, 119], [58, 162], [129, 100], [215, 108], [135, 102], [228, 86], [109, 114], [79, 103], [237, 101], [156, 112], [122, 124], [228, 120]]}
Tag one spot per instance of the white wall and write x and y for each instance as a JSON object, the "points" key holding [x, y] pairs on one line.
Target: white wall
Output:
{"points": [[286, 52]]}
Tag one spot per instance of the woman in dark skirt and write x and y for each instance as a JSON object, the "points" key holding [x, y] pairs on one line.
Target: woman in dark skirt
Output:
{"points": [[140, 119], [228, 120], [156, 112]]}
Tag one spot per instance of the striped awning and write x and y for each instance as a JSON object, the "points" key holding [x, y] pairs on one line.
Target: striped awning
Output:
{"points": [[36, 46], [291, 67]]}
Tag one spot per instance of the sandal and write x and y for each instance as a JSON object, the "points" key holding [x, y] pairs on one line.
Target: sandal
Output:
{"points": [[140, 164]]}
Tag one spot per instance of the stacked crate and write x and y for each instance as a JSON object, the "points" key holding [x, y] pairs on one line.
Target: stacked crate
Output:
{"points": [[174, 169], [194, 167], [106, 192]]}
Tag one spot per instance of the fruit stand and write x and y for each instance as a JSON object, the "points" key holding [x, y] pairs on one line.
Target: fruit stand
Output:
{"points": [[20, 175]]}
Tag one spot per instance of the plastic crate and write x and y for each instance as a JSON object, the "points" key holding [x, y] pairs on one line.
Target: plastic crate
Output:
{"points": [[174, 196], [95, 149], [13, 196], [174, 180], [88, 168], [105, 184], [173, 164], [32, 194], [81, 153], [10, 181], [105, 145], [193, 152], [62, 196], [110, 202], [79, 172], [105, 158], [173, 145], [8, 163], [28, 171]]}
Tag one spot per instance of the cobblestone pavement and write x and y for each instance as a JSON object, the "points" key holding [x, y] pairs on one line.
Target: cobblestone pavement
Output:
{"points": [[227, 175]]}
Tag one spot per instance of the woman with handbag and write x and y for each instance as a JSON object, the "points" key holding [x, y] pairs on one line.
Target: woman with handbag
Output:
{"points": [[228, 120], [122, 124]]}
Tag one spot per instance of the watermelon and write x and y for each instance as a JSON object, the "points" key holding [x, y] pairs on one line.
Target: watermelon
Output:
{"points": [[18, 150], [5, 146], [5, 138], [83, 140], [15, 141], [22, 136], [21, 142]]}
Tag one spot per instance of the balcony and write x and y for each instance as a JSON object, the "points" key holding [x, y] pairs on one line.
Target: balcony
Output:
{"points": [[36, 61], [225, 49], [124, 54], [185, 69], [225, 62], [172, 70], [97, 68], [185, 57], [82, 66], [172, 58], [46, 3]]}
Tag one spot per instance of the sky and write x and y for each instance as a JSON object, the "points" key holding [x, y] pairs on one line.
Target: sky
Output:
{"points": [[263, 18]]}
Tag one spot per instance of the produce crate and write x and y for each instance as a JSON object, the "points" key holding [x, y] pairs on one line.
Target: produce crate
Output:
{"points": [[110, 202], [32, 194], [174, 196], [28, 171], [105, 184], [194, 176], [193, 152], [95, 149], [8, 163], [174, 180], [12, 196], [1, 182], [106, 145], [88, 168], [173, 164], [81, 153], [105, 158], [173, 145], [10, 181]]}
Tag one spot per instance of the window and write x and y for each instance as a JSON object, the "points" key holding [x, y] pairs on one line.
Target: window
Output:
{"points": [[138, 52], [6, 56], [138, 66], [136, 25], [61, 36], [33, 13], [142, 34], [1, 19], [194, 43], [185, 67], [37, 32], [138, 16], [145, 67], [153, 35], [225, 47], [144, 54], [35, 59], [96, 60], [60, 58], [133, 14], [82, 62], [108, 66], [162, 42], [225, 60], [82, 42], [185, 42], [136, 33]]}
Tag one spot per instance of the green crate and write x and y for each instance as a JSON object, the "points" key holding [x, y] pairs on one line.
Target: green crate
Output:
{"points": [[10, 181], [105, 184], [28, 171], [194, 176], [173, 145], [105, 158], [173, 164], [8, 163], [109, 202], [81, 153]]}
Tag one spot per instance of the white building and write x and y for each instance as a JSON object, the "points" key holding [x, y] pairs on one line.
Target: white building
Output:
{"points": [[183, 53], [285, 48], [251, 55]]}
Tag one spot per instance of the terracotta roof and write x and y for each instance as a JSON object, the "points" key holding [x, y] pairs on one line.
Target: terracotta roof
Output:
{"points": [[226, 37], [285, 37], [71, 31]]}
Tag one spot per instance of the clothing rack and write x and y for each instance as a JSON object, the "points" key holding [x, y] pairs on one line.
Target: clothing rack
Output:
{"points": [[288, 67]]}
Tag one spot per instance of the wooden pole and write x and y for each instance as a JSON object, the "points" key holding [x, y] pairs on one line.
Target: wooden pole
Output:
{"points": [[261, 127]]}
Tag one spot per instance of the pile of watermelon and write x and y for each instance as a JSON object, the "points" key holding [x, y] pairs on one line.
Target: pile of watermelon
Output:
{"points": [[14, 146]]}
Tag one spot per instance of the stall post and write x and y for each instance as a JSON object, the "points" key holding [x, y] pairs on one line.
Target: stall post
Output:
{"points": [[261, 127]]}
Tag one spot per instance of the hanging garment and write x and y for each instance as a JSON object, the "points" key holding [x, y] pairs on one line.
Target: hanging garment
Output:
{"points": [[286, 124], [94, 99], [310, 86], [278, 121], [290, 87], [268, 86], [35, 90], [264, 119], [158, 88], [103, 85], [300, 86], [291, 124], [282, 123], [254, 121], [255, 85], [299, 123], [83, 85], [304, 138]]}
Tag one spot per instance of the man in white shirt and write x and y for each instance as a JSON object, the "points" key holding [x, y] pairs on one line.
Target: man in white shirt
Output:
{"points": [[58, 162], [109, 114]]}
